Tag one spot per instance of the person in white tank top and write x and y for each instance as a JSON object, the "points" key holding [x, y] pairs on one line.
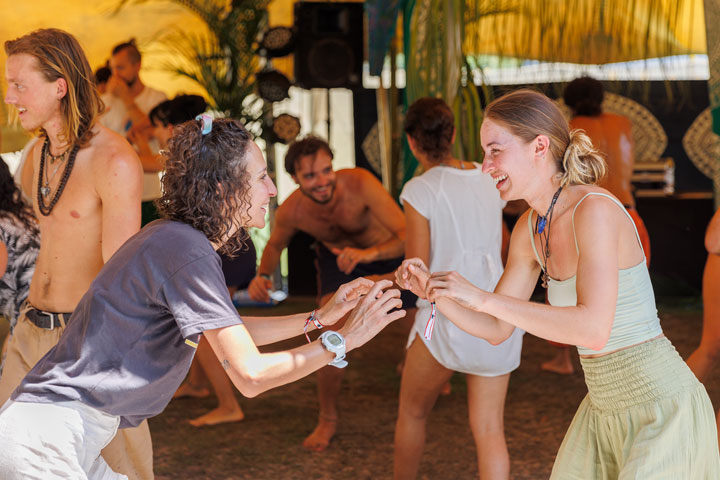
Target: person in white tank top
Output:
{"points": [[645, 415]]}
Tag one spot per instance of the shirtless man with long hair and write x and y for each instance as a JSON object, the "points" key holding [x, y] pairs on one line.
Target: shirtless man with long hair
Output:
{"points": [[87, 183]]}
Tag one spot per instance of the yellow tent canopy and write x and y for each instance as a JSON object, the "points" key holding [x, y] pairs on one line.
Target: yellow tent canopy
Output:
{"points": [[585, 31]]}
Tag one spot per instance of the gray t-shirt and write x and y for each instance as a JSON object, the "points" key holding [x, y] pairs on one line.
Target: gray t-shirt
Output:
{"points": [[130, 342]]}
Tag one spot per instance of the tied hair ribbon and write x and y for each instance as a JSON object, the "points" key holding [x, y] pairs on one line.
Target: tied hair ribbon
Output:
{"points": [[431, 322], [206, 121]]}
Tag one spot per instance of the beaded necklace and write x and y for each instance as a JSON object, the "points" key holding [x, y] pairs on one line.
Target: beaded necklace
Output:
{"points": [[43, 190]]}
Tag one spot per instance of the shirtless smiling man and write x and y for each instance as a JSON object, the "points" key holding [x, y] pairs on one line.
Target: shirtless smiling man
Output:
{"points": [[360, 231], [87, 183]]}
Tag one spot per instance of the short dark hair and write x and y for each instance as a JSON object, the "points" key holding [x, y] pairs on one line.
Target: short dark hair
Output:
{"points": [[431, 123], [309, 145], [102, 74], [195, 165], [178, 110], [132, 49], [584, 96]]}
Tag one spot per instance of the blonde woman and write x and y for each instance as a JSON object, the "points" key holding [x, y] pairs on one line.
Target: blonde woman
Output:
{"points": [[645, 415]]}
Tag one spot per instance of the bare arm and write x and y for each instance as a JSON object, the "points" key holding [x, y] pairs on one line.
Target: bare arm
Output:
{"points": [[418, 234], [118, 88], [282, 232], [253, 372], [712, 236], [383, 207], [589, 322], [151, 162], [3, 258], [388, 213], [119, 185]]}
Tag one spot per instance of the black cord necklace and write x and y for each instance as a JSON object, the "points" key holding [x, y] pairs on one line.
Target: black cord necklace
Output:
{"points": [[542, 229], [43, 190]]}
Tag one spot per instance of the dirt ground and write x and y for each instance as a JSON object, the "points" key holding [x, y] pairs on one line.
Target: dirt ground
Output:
{"points": [[266, 445]]}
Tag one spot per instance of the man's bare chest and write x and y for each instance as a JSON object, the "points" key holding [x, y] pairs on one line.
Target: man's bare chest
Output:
{"points": [[344, 221]]}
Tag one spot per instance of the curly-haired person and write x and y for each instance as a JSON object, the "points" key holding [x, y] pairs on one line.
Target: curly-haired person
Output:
{"points": [[134, 334]]}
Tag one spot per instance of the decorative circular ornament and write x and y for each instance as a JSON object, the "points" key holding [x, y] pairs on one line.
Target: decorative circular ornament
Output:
{"points": [[286, 127], [702, 145], [272, 85], [278, 42]]}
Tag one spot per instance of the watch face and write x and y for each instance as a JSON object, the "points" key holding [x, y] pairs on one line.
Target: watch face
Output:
{"points": [[334, 340]]}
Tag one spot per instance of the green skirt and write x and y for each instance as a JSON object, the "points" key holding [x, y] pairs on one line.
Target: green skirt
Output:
{"points": [[645, 417]]}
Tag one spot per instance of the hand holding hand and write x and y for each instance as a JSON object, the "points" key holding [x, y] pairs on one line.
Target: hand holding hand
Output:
{"points": [[412, 275], [454, 286], [259, 289], [372, 314], [348, 257], [345, 299]]}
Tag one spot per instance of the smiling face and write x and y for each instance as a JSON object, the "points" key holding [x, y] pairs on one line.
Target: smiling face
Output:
{"points": [[262, 187], [315, 176], [508, 159], [36, 99]]}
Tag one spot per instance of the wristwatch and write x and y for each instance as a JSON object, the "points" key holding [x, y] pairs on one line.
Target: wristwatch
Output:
{"points": [[334, 343]]}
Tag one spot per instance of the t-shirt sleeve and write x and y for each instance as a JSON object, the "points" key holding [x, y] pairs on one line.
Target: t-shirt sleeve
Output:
{"points": [[197, 297], [418, 193]]}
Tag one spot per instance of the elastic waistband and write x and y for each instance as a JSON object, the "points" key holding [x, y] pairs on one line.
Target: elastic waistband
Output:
{"points": [[643, 373]]}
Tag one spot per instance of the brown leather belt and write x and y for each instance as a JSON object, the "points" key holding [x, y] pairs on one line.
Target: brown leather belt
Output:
{"points": [[47, 320]]}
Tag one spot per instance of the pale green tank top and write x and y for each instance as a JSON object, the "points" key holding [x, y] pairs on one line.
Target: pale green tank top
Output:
{"points": [[636, 319]]}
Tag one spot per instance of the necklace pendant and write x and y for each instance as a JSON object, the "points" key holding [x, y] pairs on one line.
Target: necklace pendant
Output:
{"points": [[45, 191], [541, 224]]}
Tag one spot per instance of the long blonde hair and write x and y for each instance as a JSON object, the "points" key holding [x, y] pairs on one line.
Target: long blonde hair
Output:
{"points": [[527, 114], [60, 55]]}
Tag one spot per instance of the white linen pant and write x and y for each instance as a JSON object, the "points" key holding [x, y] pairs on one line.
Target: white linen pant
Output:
{"points": [[55, 440]]}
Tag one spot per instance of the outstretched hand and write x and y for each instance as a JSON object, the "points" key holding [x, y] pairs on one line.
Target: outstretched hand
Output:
{"points": [[372, 314], [345, 299], [454, 286], [413, 275]]}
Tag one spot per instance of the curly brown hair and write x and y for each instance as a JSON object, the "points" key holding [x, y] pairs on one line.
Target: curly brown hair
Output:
{"points": [[206, 183], [309, 145]]}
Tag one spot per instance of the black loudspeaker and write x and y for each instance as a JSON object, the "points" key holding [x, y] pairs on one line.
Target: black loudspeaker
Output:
{"points": [[329, 44]]}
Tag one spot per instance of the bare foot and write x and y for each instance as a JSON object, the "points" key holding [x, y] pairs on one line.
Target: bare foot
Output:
{"points": [[187, 390], [560, 363], [217, 416], [320, 438]]}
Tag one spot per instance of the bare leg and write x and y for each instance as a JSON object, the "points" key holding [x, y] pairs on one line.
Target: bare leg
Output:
{"points": [[561, 362], [423, 378], [228, 409], [196, 384], [707, 354], [486, 406]]}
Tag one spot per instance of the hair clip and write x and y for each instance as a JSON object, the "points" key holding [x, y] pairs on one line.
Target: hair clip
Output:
{"points": [[206, 123]]}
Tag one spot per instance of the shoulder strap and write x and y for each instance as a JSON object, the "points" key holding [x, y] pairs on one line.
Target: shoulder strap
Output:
{"points": [[532, 237], [617, 202]]}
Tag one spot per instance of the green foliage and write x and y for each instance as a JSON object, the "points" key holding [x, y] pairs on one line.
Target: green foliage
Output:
{"points": [[222, 60]]}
